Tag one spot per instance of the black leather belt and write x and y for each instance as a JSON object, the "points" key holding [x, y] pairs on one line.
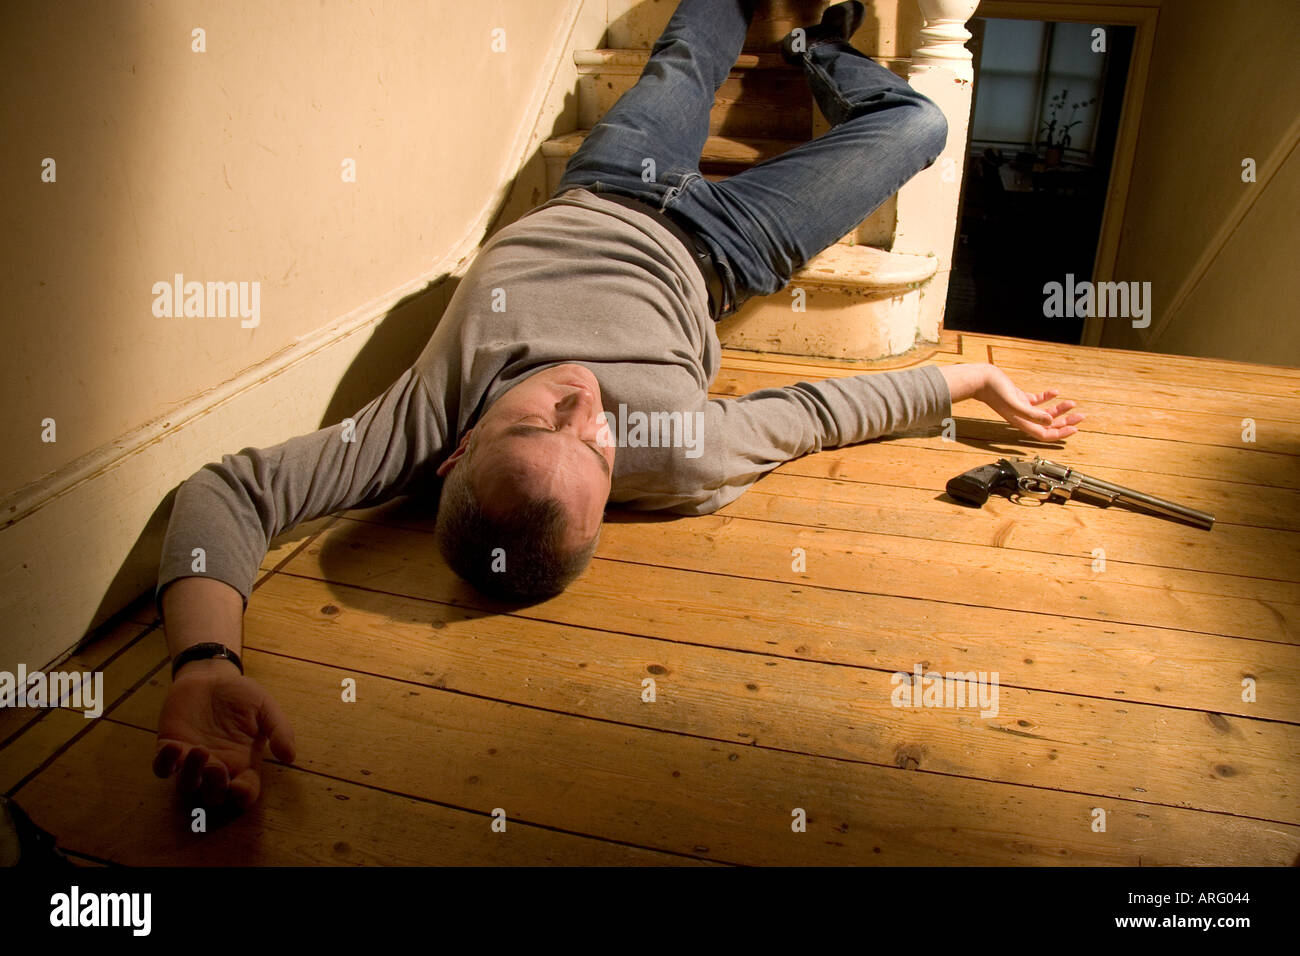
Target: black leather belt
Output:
{"points": [[694, 245]]}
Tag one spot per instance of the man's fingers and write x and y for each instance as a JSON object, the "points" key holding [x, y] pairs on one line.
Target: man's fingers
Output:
{"points": [[1063, 429], [1055, 431], [1056, 434], [1021, 408], [192, 770], [1045, 420], [1033, 429], [244, 789], [275, 726], [1062, 420], [1047, 415], [1025, 407], [1059, 408], [165, 758], [215, 780]]}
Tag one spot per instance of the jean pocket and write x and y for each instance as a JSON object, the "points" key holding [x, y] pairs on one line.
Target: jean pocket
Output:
{"points": [[676, 192]]}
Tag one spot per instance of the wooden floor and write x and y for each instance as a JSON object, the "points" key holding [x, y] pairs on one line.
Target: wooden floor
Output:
{"points": [[1123, 692]]}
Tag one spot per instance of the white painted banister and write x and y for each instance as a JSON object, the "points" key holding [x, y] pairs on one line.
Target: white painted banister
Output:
{"points": [[943, 38], [927, 205]]}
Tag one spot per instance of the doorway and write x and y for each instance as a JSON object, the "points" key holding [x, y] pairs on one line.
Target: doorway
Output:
{"points": [[1048, 99]]}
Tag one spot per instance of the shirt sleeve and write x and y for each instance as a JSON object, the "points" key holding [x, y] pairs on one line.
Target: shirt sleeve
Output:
{"points": [[749, 436], [233, 508]]}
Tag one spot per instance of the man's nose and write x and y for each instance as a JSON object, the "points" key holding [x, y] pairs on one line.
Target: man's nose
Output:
{"points": [[577, 406], [577, 414]]}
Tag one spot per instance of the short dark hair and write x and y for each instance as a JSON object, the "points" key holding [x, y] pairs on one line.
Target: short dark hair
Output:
{"points": [[516, 555]]}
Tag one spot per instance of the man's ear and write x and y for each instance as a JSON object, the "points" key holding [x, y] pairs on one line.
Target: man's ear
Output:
{"points": [[456, 456]]}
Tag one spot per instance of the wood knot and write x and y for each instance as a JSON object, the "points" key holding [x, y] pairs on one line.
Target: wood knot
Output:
{"points": [[908, 756]]}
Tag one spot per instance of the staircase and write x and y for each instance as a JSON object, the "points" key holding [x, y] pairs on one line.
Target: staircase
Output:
{"points": [[878, 292]]}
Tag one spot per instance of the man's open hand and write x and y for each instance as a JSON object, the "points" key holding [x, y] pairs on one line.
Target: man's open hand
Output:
{"points": [[1019, 407], [212, 730]]}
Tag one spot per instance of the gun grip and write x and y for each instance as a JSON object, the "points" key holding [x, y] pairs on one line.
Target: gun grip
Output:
{"points": [[973, 487]]}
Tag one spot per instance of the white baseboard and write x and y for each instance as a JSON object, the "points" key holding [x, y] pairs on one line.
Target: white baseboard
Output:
{"points": [[82, 543]]}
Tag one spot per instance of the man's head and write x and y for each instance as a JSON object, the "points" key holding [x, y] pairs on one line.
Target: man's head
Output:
{"points": [[524, 493]]}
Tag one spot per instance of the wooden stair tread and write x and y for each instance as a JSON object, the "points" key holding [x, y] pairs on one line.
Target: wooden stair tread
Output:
{"points": [[851, 268], [619, 60], [623, 60], [718, 150]]}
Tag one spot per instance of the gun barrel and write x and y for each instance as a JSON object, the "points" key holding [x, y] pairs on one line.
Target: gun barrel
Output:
{"points": [[1116, 492]]}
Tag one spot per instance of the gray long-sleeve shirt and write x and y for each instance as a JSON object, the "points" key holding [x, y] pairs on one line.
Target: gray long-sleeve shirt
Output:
{"points": [[578, 279]]}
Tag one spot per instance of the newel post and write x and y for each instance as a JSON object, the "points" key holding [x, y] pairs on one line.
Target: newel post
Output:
{"points": [[941, 69]]}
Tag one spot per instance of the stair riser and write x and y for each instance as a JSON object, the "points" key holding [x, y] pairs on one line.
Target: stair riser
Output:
{"points": [[774, 104], [766, 103], [834, 325]]}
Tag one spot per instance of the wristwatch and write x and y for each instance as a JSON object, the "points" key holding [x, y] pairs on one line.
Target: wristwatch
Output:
{"points": [[204, 651]]}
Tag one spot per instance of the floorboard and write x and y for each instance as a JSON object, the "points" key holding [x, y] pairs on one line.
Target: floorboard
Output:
{"points": [[708, 679]]}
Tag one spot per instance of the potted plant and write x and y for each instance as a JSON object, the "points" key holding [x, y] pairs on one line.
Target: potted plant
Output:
{"points": [[1057, 139]]}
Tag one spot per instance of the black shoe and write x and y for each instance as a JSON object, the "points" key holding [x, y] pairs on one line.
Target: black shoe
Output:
{"points": [[839, 22], [24, 844]]}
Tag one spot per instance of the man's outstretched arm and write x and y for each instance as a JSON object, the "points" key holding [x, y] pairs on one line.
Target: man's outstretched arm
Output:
{"points": [[747, 437], [215, 721], [226, 513]]}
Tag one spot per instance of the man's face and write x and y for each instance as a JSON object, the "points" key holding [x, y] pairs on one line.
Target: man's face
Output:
{"points": [[546, 438]]}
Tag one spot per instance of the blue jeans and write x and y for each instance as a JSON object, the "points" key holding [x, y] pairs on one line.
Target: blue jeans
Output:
{"points": [[761, 225]]}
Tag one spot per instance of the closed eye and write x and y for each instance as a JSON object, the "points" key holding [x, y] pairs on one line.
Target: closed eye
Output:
{"points": [[523, 429]]}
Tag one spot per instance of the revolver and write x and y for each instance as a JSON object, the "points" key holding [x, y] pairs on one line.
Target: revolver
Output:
{"points": [[1040, 479]]}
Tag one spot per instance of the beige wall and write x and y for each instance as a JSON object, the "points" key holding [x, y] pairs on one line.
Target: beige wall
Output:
{"points": [[1221, 254], [226, 165]]}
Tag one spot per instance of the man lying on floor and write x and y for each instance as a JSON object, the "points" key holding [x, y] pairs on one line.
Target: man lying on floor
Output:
{"points": [[602, 300]]}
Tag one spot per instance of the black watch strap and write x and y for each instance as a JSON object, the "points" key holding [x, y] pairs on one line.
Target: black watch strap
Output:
{"points": [[204, 651]]}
